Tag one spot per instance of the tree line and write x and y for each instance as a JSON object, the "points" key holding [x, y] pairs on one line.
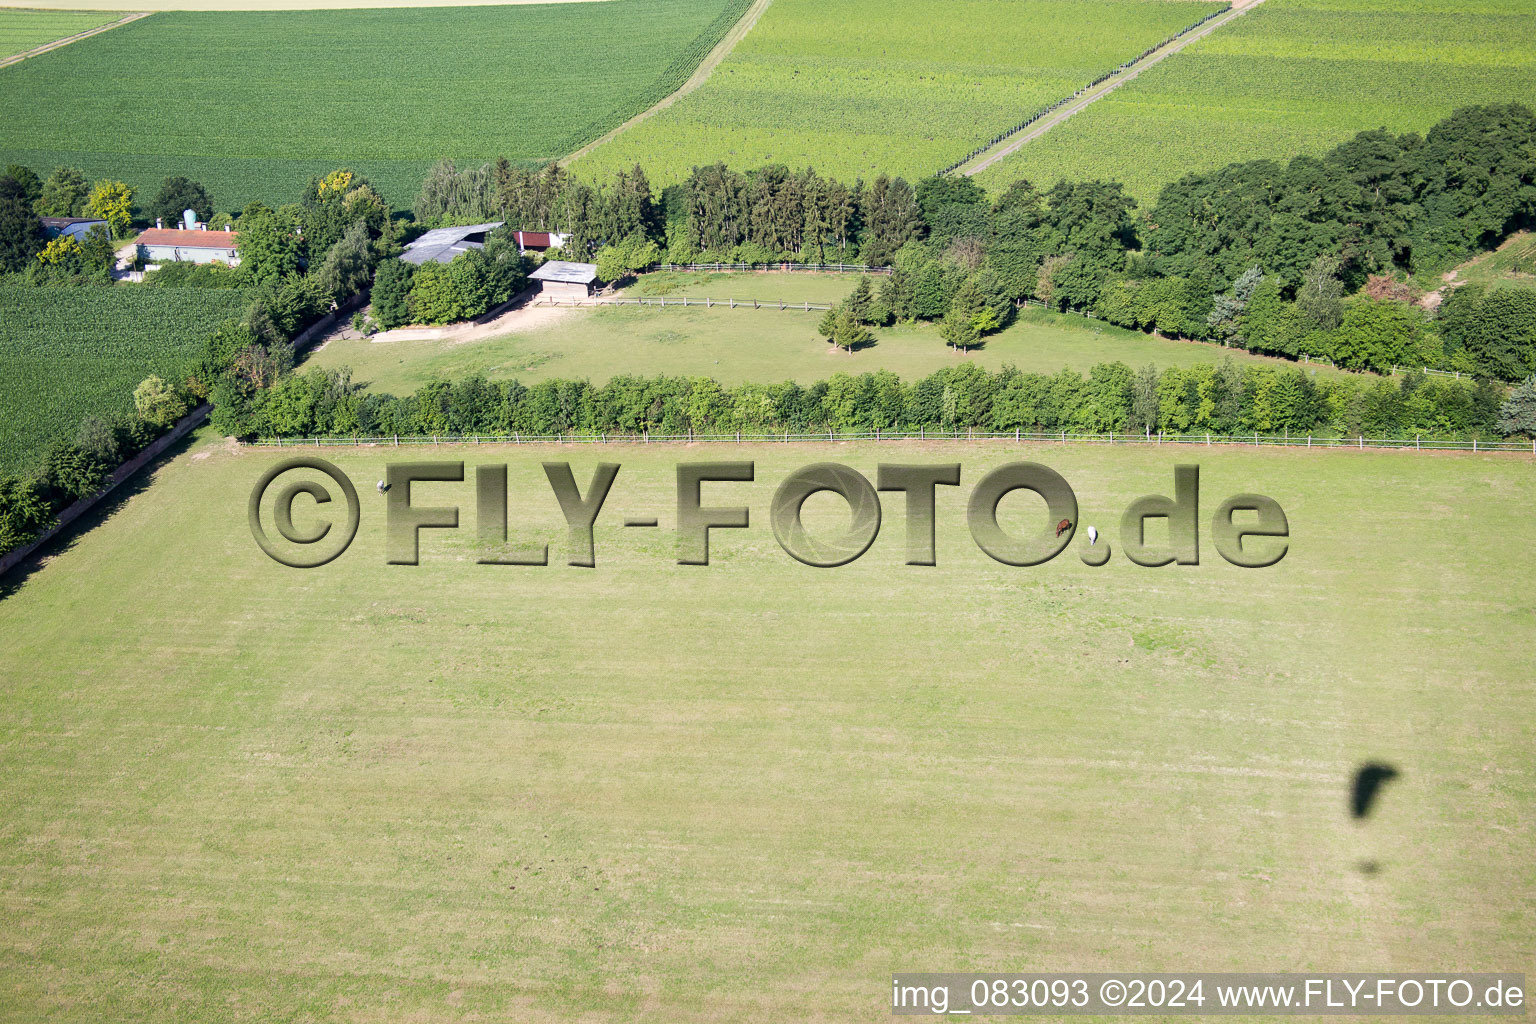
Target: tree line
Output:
{"points": [[1309, 258], [1221, 398]]}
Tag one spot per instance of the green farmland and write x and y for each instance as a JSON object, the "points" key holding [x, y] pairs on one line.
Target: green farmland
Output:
{"points": [[845, 87], [750, 792], [75, 352], [22, 30], [256, 103], [736, 345], [1290, 77]]}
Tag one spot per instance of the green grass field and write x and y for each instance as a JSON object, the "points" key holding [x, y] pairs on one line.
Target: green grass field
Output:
{"points": [[844, 87], [1511, 265], [256, 103], [736, 345], [1290, 77], [750, 792], [68, 353], [22, 30]]}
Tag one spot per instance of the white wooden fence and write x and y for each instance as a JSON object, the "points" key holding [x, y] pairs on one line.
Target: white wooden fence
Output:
{"points": [[663, 301], [1283, 440]]}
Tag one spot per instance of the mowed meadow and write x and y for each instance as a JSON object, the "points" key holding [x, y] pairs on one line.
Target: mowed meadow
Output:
{"points": [[733, 345], [1290, 77], [853, 91], [751, 791], [254, 104]]}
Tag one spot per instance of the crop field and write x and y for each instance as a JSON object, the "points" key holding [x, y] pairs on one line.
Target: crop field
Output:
{"points": [[74, 352], [385, 92], [737, 345], [751, 791], [845, 87], [1290, 77], [271, 5], [21, 30]]}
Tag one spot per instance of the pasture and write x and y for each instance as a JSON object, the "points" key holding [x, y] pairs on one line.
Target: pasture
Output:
{"points": [[21, 30], [750, 791], [1269, 85], [736, 345], [1511, 265], [75, 352], [385, 92], [844, 87]]}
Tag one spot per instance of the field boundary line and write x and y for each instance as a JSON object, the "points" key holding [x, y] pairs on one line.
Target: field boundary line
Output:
{"points": [[38, 51], [700, 75], [1358, 443], [1013, 142]]}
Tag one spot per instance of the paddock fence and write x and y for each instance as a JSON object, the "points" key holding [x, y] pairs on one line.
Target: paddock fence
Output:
{"points": [[1285, 440], [664, 301], [788, 268]]}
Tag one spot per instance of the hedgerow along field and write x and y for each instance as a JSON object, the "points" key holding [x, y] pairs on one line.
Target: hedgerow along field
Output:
{"points": [[22, 30], [75, 352], [751, 791], [849, 88], [1290, 77], [256, 103]]}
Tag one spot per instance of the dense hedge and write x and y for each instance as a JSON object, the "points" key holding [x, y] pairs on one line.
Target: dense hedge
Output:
{"points": [[1219, 399]]}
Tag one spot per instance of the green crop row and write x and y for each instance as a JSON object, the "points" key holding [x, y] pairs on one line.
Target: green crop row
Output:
{"points": [[69, 352], [1290, 77], [845, 87], [252, 104]]}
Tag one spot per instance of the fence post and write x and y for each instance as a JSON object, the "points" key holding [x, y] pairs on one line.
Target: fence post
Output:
{"points": [[1474, 444], [1415, 441], [1362, 441], [397, 440]]}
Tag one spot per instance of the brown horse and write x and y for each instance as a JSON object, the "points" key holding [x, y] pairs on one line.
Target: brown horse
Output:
{"points": [[1063, 526]]}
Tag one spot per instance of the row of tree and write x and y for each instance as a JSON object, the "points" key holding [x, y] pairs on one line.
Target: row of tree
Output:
{"points": [[1215, 398]]}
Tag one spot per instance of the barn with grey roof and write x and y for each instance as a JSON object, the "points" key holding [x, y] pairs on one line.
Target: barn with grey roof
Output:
{"points": [[441, 245]]}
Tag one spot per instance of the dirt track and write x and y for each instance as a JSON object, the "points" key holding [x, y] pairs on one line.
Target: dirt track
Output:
{"points": [[39, 50], [1012, 145], [698, 78]]}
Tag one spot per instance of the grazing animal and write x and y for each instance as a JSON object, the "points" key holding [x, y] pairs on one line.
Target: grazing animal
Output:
{"points": [[1063, 526], [1093, 535], [383, 486]]}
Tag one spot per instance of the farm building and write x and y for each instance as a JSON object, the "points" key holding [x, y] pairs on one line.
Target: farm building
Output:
{"points": [[561, 280], [75, 227], [539, 240], [441, 245], [160, 245]]}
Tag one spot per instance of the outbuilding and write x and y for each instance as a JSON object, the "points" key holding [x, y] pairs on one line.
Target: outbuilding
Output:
{"points": [[561, 280], [168, 245], [74, 227], [441, 245]]}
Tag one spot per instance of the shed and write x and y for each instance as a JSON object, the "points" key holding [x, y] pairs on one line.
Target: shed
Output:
{"points": [[176, 244], [441, 245], [539, 240], [561, 280], [75, 227]]}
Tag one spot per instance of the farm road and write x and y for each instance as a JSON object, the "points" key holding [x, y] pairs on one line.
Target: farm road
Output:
{"points": [[38, 50], [699, 77], [1012, 145]]}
